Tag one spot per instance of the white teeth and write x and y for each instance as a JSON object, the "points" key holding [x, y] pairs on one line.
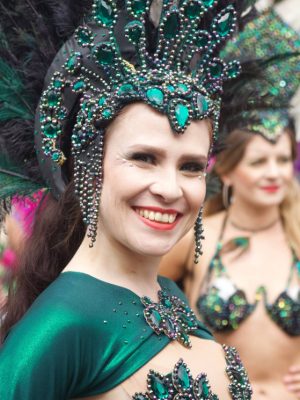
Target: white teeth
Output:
{"points": [[165, 218], [151, 216], [157, 216], [172, 218]]}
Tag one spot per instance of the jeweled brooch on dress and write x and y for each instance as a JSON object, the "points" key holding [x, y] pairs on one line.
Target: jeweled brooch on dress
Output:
{"points": [[170, 316]]}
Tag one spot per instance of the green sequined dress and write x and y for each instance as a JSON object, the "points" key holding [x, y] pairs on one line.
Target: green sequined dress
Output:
{"points": [[83, 337]]}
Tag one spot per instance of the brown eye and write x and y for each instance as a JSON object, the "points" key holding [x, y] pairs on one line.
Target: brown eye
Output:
{"points": [[193, 167], [143, 157]]}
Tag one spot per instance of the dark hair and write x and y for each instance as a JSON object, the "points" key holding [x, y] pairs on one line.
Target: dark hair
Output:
{"points": [[57, 233]]}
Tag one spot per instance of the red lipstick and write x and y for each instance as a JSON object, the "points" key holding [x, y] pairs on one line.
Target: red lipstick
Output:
{"points": [[270, 188]]}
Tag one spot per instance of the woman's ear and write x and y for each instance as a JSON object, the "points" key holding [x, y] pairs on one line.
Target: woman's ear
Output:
{"points": [[226, 180]]}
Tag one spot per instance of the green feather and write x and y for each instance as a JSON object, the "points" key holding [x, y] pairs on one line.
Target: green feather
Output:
{"points": [[13, 98], [13, 182]]}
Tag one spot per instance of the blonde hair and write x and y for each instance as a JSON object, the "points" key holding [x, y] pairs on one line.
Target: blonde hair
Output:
{"points": [[235, 147]]}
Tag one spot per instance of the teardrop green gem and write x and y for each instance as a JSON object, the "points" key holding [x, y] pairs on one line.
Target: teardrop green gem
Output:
{"points": [[224, 24], [53, 98], [172, 26], [51, 130], [155, 317], [159, 389], [103, 12], [104, 54], [155, 96], [181, 114], [134, 31], [216, 70], [208, 3], [193, 9], [79, 85], [125, 89], [183, 377], [138, 7], [202, 104]]}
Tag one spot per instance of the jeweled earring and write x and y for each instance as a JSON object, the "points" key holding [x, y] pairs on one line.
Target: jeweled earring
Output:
{"points": [[198, 231], [226, 198], [88, 177]]}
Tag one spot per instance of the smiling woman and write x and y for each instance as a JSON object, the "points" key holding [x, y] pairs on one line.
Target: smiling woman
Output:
{"points": [[122, 134]]}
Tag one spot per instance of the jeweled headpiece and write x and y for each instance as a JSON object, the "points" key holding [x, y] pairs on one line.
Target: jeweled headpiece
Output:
{"points": [[276, 45], [119, 55]]}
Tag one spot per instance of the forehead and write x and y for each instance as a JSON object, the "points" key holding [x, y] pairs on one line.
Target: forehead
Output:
{"points": [[139, 123], [259, 146]]}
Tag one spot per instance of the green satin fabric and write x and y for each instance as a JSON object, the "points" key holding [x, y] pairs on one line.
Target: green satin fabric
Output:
{"points": [[81, 337]]}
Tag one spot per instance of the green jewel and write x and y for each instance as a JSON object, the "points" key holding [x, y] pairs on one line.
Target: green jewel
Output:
{"points": [[202, 104], [55, 156], [171, 25], [193, 9], [183, 88], [155, 317], [57, 83], [84, 36], [125, 89], [166, 302], [62, 114], [79, 86], [183, 377], [181, 114], [202, 40], [155, 96], [73, 62], [203, 388], [103, 12], [224, 24], [216, 69], [104, 53], [138, 7], [51, 130], [233, 70], [53, 98], [134, 31], [159, 389], [102, 101], [106, 114], [171, 88], [208, 3], [186, 320]]}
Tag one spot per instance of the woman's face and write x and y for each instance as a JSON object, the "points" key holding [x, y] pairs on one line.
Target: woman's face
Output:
{"points": [[154, 180], [263, 175]]}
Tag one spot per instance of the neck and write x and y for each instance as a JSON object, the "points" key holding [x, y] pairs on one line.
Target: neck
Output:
{"points": [[114, 263], [252, 217]]}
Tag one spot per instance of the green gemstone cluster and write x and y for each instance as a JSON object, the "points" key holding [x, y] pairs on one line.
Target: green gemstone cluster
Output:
{"points": [[180, 385], [265, 36], [181, 76], [170, 316]]}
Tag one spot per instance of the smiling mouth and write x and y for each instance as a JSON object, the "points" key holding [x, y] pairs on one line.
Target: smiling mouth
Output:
{"points": [[156, 216]]}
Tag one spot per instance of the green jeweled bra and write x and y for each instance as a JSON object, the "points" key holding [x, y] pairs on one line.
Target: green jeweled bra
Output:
{"points": [[180, 385]]}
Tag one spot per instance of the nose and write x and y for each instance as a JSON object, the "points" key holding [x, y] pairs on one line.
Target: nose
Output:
{"points": [[166, 186], [273, 170]]}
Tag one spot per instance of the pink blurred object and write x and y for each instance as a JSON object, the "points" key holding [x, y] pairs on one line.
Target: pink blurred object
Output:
{"points": [[23, 210], [8, 259]]}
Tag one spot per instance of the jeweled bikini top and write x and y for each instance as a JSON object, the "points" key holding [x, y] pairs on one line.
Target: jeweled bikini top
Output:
{"points": [[223, 306]]}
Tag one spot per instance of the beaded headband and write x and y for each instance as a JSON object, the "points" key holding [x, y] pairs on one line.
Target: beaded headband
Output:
{"points": [[267, 36]]}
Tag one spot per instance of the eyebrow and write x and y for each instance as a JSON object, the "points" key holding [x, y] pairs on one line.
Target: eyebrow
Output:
{"points": [[162, 153]]}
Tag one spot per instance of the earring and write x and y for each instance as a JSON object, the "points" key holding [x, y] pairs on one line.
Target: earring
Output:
{"points": [[198, 230], [88, 178], [226, 198]]}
